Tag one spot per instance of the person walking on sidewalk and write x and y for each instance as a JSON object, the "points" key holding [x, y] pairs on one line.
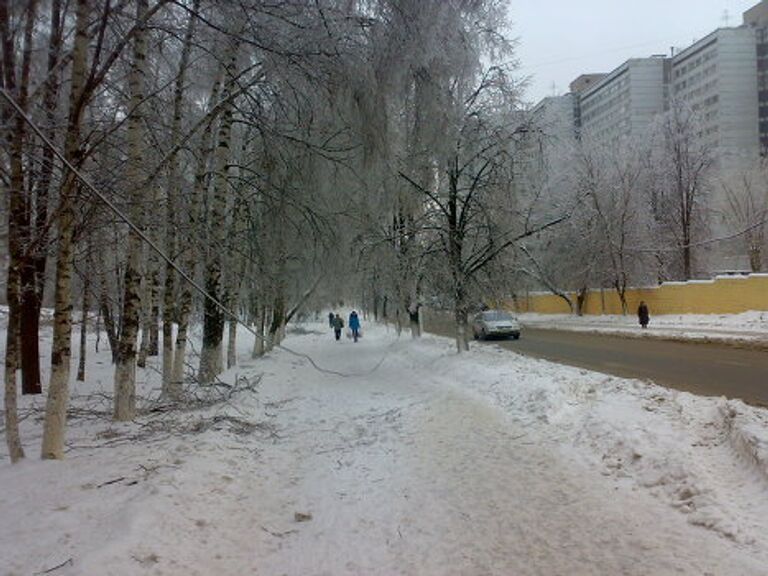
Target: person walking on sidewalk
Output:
{"points": [[331, 318], [354, 325], [642, 314], [338, 324]]}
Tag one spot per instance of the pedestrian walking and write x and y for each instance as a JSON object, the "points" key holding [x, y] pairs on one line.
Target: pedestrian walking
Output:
{"points": [[642, 314], [354, 325], [331, 317], [338, 324]]}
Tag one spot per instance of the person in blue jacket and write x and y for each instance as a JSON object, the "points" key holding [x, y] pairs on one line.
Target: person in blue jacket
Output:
{"points": [[354, 325]]}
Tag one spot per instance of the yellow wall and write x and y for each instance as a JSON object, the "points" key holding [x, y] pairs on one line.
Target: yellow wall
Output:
{"points": [[724, 295]]}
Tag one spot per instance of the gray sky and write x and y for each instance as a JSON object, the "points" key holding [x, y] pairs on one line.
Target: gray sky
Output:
{"points": [[560, 39]]}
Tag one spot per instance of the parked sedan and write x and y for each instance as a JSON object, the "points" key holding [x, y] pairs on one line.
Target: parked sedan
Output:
{"points": [[495, 324]]}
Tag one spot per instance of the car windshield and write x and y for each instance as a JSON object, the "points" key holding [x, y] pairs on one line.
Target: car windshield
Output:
{"points": [[496, 316]]}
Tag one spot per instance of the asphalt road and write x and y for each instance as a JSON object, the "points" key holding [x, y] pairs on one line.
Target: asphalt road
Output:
{"points": [[705, 369]]}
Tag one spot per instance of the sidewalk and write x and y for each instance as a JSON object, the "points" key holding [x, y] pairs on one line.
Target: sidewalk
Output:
{"points": [[748, 327]]}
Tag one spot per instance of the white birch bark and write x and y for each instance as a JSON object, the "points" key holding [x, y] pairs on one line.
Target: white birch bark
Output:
{"points": [[172, 205], [125, 368], [211, 359], [190, 255], [58, 388]]}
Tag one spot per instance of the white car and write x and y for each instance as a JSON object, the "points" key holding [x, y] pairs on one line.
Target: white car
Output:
{"points": [[495, 324]]}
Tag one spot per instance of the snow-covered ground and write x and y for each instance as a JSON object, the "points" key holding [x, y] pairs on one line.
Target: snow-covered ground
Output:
{"points": [[401, 458], [750, 327]]}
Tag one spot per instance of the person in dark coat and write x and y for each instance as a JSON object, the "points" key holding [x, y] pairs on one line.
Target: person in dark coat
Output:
{"points": [[331, 317], [642, 314], [354, 325], [338, 324]]}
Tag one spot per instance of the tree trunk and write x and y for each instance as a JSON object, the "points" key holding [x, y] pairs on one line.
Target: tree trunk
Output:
{"points": [[19, 215], [12, 436], [581, 297], [258, 342], [173, 204], [125, 368], [460, 317], [58, 389], [105, 310], [190, 256], [755, 259], [174, 387], [18, 221], [213, 320], [269, 343], [414, 315], [84, 324], [146, 323], [621, 292], [455, 249], [278, 319], [154, 304], [232, 344], [31, 301], [33, 269]]}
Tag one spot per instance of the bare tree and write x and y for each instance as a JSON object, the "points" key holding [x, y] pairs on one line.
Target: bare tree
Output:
{"points": [[685, 161], [612, 181]]}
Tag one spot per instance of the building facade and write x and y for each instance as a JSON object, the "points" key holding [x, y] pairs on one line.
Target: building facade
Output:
{"points": [[716, 78], [756, 18], [624, 102]]}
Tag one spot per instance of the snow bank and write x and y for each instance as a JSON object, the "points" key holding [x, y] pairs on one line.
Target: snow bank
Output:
{"points": [[747, 433], [750, 327], [705, 457]]}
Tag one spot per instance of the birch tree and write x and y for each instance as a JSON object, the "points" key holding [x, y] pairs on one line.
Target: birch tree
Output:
{"points": [[213, 326], [58, 389], [125, 367], [173, 203]]}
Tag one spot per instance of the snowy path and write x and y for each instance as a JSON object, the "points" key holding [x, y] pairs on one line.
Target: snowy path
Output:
{"points": [[430, 464]]}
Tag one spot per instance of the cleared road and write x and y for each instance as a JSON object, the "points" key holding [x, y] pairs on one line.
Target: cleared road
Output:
{"points": [[705, 369]]}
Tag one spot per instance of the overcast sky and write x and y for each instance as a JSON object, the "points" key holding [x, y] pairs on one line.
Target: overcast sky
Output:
{"points": [[561, 39]]}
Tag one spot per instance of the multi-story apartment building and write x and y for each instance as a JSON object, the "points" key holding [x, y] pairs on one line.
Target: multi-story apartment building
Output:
{"points": [[756, 18], [716, 77], [625, 101]]}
